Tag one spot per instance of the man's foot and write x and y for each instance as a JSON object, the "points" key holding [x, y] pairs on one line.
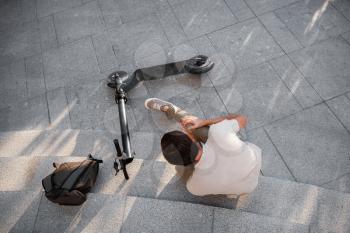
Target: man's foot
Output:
{"points": [[160, 105]]}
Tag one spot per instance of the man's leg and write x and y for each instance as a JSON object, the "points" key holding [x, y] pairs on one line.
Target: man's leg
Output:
{"points": [[174, 112]]}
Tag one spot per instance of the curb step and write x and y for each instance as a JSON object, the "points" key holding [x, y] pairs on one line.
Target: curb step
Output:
{"points": [[323, 209], [56, 142], [118, 213], [148, 178], [296, 202], [74, 142]]}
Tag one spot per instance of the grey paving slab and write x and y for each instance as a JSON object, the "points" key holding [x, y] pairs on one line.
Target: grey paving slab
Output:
{"points": [[346, 36], [163, 55], [343, 6], [314, 145], [262, 99], [313, 21], [341, 184], [326, 66], [21, 80], [13, 84], [280, 32], [195, 16], [134, 10], [58, 108], [29, 114], [34, 75], [224, 68], [19, 42], [295, 81], [175, 2], [78, 22], [148, 39], [240, 9], [165, 216], [102, 213], [260, 7], [47, 33], [58, 142], [171, 25], [93, 107], [146, 145], [272, 162], [48, 7], [111, 12], [340, 106], [210, 102], [324, 210], [247, 43], [10, 10], [19, 210], [72, 61], [27, 172], [104, 52], [203, 45], [175, 85], [237, 221]]}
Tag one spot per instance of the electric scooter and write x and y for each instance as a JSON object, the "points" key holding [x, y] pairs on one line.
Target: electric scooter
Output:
{"points": [[121, 82]]}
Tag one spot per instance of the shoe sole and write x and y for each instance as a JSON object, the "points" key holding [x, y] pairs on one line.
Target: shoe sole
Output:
{"points": [[150, 99]]}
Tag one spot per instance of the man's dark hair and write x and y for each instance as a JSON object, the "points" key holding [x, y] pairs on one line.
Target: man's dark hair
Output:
{"points": [[178, 148]]}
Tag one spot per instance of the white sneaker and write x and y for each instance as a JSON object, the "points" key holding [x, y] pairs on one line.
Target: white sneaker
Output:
{"points": [[158, 104]]}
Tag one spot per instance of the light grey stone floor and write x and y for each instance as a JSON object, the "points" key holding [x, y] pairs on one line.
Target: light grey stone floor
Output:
{"points": [[285, 64]]}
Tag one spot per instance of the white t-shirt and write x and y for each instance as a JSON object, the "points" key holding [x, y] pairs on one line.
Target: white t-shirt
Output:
{"points": [[228, 165]]}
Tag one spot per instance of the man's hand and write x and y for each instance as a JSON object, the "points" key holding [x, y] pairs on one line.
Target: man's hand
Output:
{"points": [[193, 123]]}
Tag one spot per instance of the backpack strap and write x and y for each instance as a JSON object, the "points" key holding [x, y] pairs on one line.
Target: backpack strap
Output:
{"points": [[96, 160], [74, 175]]}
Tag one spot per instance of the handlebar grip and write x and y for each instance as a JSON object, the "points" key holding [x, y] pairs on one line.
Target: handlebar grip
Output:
{"points": [[117, 147], [125, 172]]}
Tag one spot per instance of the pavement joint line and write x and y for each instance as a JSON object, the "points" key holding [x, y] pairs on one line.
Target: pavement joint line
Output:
{"points": [[339, 11], [25, 73], [48, 109], [285, 117], [230, 10], [37, 211], [279, 76], [348, 173], [263, 25], [337, 118], [55, 29], [306, 79], [176, 18], [95, 53], [346, 95], [102, 16], [125, 198], [68, 107], [211, 81], [213, 219], [291, 32], [280, 154], [341, 35], [163, 29], [60, 11]]}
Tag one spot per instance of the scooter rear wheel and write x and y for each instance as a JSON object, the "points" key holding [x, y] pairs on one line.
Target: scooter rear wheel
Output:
{"points": [[199, 64]]}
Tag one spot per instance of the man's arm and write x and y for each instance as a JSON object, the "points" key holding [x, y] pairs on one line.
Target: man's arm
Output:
{"points": [[197, 123]]}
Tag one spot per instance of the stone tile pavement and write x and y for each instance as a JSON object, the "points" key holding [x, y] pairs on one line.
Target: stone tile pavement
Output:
{"points": [[283, 63]]}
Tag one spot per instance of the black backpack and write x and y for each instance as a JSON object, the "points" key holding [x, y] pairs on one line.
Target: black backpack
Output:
{"points": [[70, 181]]}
